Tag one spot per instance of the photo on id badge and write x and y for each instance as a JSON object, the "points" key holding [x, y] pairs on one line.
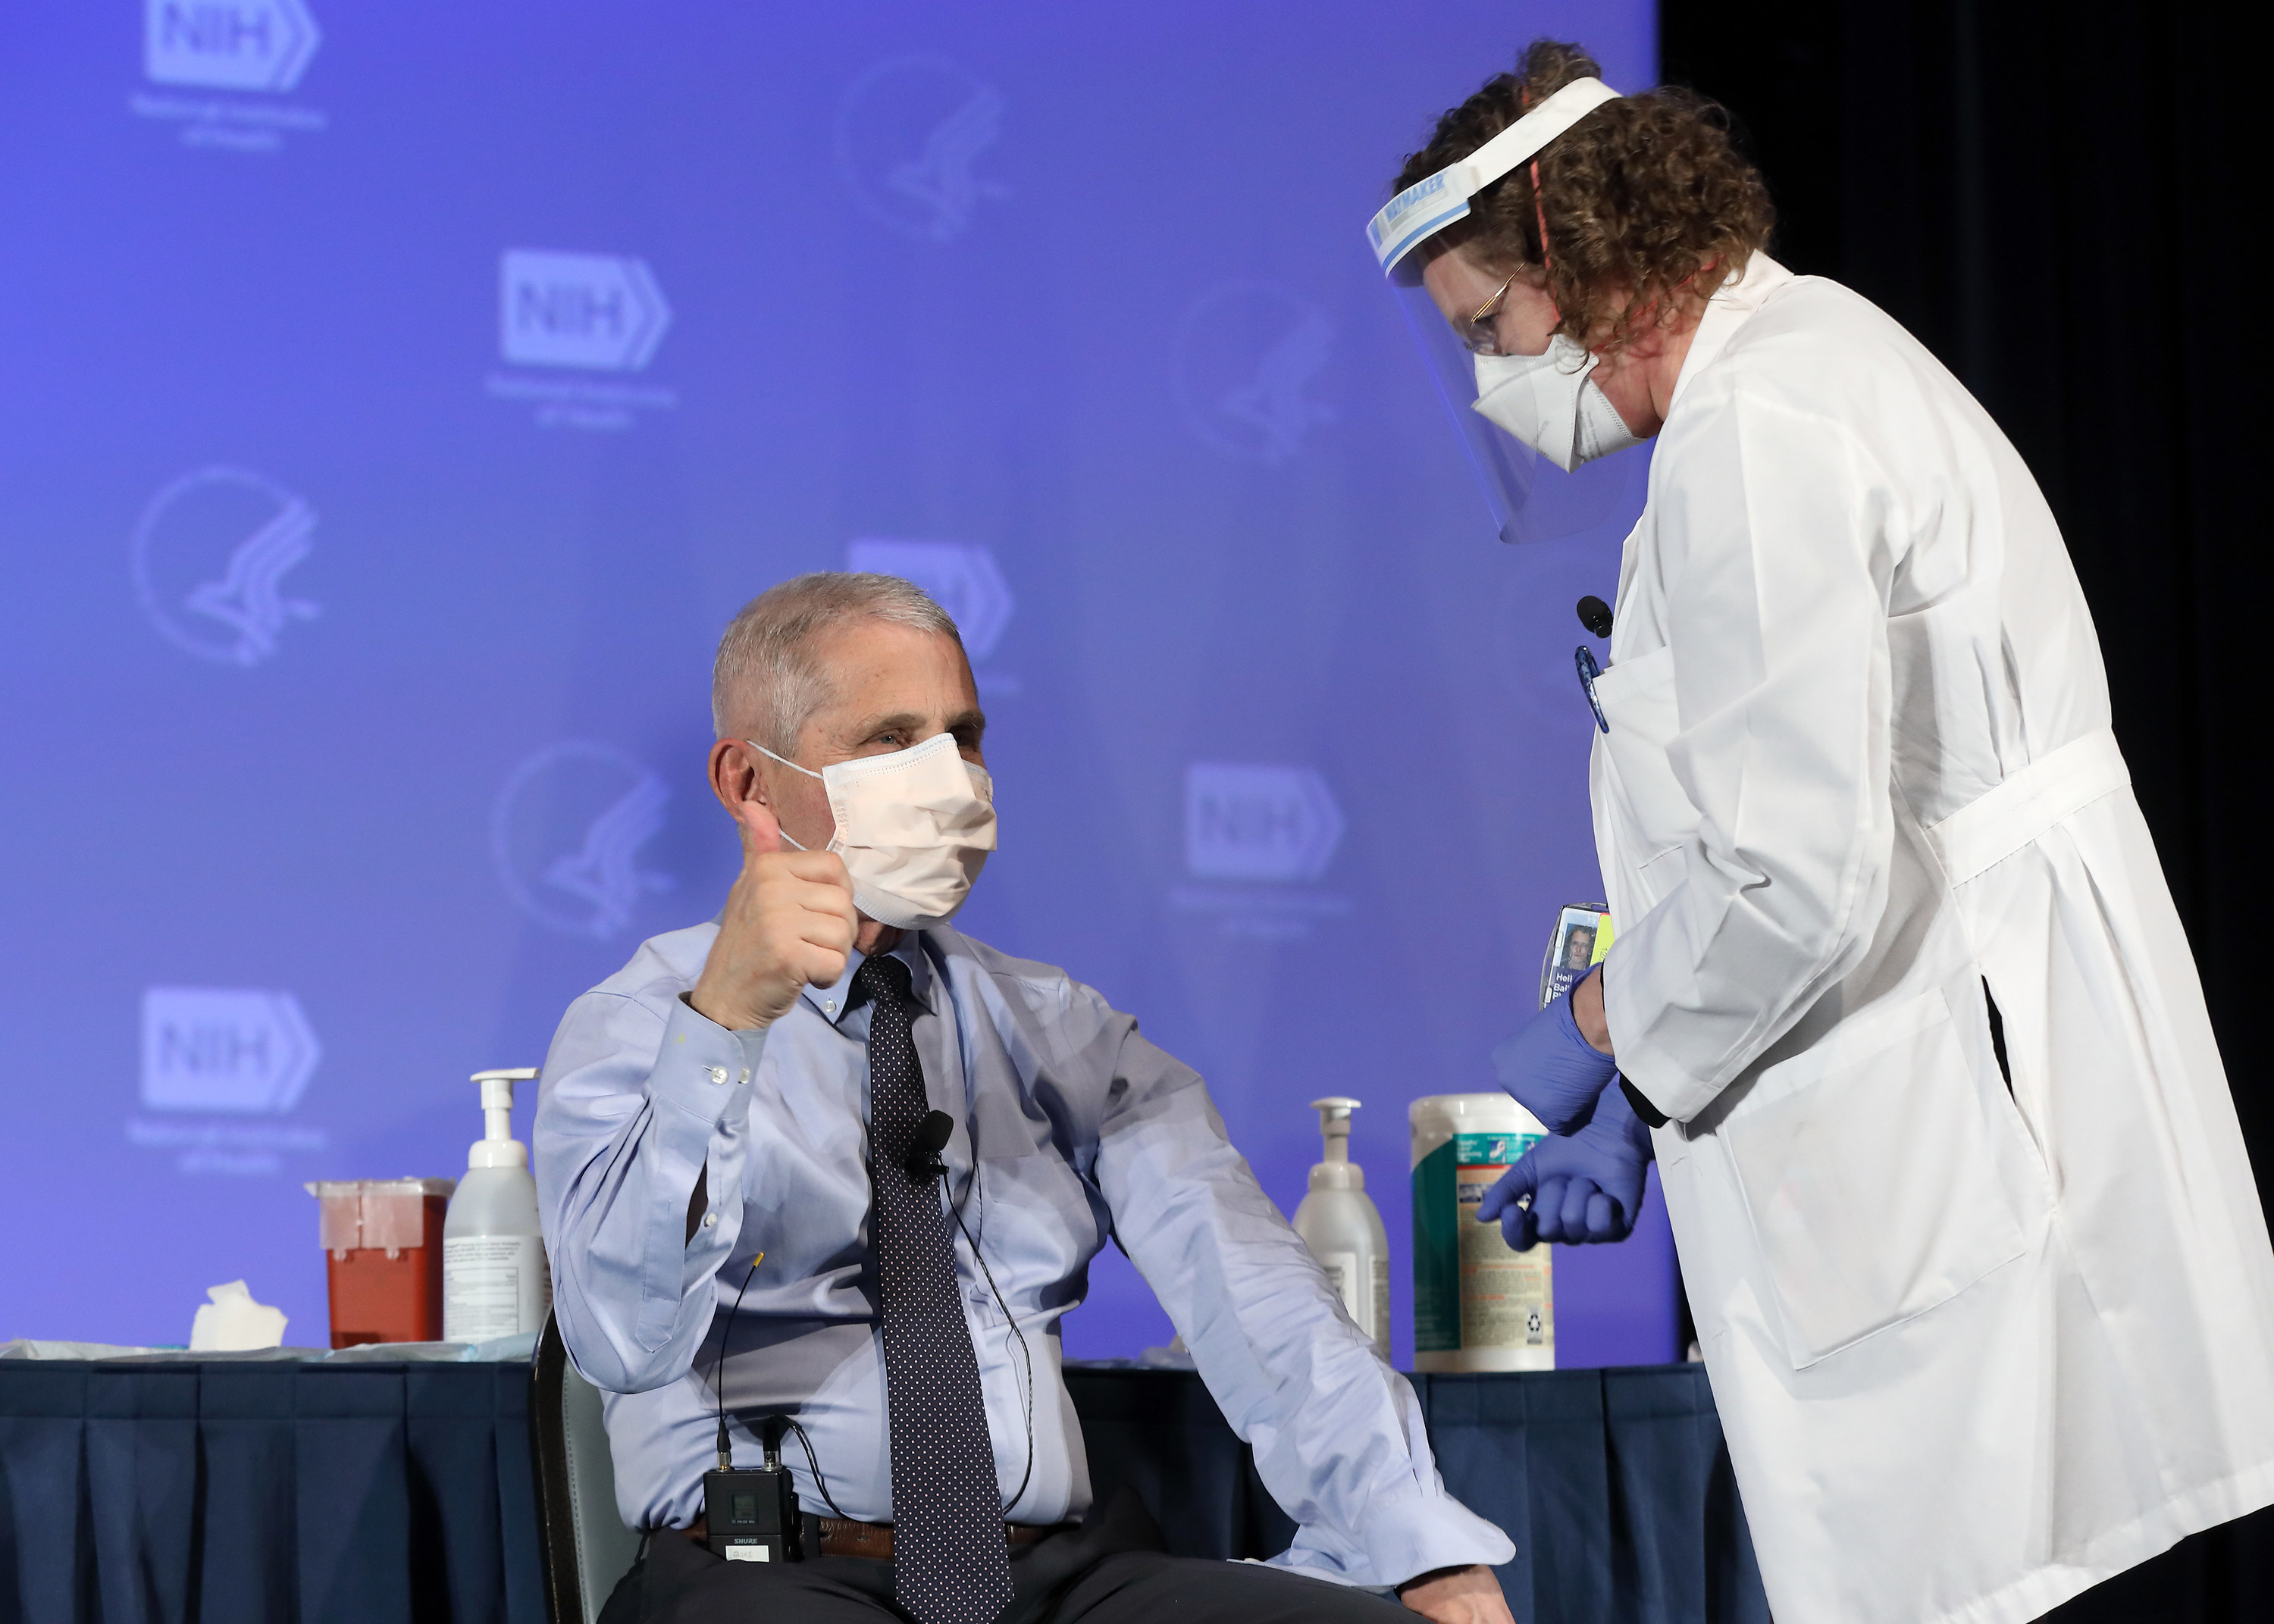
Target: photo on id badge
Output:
{"points": [[1582, 937]]}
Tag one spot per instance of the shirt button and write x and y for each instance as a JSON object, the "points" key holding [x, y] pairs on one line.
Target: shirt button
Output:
{"points": [[743, 1076], [829, 1005], [710, 1221], [718, 1074]]}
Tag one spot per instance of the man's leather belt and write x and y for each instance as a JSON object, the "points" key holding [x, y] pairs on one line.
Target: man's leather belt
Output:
{"points": [[843, 1537]]}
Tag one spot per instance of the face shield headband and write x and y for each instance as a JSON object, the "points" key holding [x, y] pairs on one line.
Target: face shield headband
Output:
{"points": [[1427, 206], [1529, 496]]}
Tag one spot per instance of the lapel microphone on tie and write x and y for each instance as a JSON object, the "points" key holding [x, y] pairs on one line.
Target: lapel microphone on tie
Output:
{"points": [[924, 1145]]}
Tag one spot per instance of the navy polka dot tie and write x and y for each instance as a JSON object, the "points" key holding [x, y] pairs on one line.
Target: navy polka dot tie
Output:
{"points": [[952, 1565]]}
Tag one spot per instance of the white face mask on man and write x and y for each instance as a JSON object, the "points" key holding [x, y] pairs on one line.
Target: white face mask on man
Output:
{"points": [[1550, 402], [913, 827]]}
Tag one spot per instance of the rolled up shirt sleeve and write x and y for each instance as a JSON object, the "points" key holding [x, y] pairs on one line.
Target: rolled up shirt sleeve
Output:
{"points": [[641, 1100], [1338, 1435]]}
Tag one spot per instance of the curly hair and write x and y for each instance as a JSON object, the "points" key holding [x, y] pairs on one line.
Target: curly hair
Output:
{"points": [[1643, 198]]}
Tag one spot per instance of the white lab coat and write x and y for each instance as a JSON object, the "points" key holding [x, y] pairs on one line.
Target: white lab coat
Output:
{"points": [[1974, 1350]]}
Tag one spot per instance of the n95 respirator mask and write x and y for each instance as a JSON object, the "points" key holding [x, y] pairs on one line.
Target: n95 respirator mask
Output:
{"points": [[913, 827], [1552, 403]]}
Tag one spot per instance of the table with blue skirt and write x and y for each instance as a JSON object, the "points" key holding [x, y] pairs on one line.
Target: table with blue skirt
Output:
{"points": [[237, 1491]]}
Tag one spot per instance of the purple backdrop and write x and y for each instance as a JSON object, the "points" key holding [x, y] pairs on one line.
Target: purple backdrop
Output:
{"points": [[401, 399]]}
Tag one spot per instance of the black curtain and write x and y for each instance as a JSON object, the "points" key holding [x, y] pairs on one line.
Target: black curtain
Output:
{"points": [[2059, 200]]}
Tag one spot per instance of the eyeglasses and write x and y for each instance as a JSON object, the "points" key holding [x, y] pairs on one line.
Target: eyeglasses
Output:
{"points": [[1480, 333]]}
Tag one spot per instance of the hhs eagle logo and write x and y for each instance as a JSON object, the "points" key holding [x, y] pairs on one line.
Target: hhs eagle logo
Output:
{"points": [[210, 556], [1248, 357], [909, 137], [567, 832]]}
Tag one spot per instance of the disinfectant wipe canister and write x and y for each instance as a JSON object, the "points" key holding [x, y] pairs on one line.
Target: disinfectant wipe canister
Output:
{"points": [[1477, 1304], [495, 1279]]}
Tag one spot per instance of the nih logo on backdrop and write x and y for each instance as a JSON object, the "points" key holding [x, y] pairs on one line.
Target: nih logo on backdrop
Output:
{"points": [[591, 312], [1256, 823], [602, 312], [228, 44], [219, 1048], [962, 578], [1258, 833], [220, 1064], [258, 47]]}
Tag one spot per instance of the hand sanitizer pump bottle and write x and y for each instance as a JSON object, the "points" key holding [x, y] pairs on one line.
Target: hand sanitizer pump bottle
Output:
{"points": [[494, 1278], [1343, 1229]]}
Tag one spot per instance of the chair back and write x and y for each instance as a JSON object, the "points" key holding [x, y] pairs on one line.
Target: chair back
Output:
{"points": [[586, 1545]]}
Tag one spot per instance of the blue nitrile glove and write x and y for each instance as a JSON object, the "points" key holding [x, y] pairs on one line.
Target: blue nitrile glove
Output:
{"points": [[1587, 1187], [1553, 1072]]}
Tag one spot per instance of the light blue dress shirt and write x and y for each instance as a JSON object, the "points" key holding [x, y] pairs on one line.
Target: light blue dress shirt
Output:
{"points": [[1070, 1128]]}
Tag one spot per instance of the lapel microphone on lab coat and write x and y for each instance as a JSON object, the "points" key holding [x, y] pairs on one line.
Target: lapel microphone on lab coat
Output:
{"points": [[1595, 616]]}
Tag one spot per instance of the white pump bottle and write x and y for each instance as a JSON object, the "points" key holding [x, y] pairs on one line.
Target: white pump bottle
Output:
{"points": [[1341, 1226], [495, 1282]]}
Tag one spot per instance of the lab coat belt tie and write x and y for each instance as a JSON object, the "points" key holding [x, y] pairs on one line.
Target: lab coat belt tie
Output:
{"points": [[1988, 830]]}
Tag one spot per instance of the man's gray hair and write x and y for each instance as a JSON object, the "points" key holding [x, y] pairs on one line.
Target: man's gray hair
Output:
{"points": [[767, 684]]}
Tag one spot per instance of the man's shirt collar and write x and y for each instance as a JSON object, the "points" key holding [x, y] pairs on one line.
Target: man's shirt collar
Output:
{"points": [[834, 1002]]}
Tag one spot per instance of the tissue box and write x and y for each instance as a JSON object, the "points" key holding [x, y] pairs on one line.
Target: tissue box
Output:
{"points": [[383, 1256]]}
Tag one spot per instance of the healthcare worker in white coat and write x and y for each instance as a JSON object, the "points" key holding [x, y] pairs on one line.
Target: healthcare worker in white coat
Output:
{"points": [[1965, 1218]]}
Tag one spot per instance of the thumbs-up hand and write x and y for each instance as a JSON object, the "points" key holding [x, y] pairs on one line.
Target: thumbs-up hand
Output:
{"points": [[789, 924]]}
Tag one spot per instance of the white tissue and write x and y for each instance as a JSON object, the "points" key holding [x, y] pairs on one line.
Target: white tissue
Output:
{"points": [[233, 1322]]}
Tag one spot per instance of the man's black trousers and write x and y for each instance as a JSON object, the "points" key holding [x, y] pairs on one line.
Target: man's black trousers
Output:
{"points": [[1111, 1571]]}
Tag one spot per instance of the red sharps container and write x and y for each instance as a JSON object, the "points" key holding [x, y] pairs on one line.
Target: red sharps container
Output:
{"points": [[383, 1254]]}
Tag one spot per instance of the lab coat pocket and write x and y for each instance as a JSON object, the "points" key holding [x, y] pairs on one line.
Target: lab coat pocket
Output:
{"points": [[1637, 699], [1660, 874], [1869, 1178]]}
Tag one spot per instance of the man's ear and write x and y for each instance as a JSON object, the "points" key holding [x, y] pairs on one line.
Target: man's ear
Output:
{"points": [[735, 776]]}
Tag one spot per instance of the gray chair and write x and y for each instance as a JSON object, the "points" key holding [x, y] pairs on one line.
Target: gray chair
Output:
{"points": [[585, 1546]]}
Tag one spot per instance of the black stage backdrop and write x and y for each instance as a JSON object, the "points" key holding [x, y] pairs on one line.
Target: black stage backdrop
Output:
{"points": [[2058, 199]]}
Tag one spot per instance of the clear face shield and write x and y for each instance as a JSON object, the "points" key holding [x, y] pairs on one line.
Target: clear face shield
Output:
{"points": [[1529, 497]]}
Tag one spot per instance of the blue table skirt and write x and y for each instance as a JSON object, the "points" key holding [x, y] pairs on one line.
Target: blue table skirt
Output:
{"points": [[305, 1494], [1613, 1484], [247, 1493], [232, 1494], [1621, 1481]]}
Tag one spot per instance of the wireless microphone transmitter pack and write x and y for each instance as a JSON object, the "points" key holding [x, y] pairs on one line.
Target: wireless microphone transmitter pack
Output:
{"points": [[750, 1514]]}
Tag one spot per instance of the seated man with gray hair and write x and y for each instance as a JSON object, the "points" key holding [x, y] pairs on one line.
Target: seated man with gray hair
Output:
{"points": [[826, 1161]]}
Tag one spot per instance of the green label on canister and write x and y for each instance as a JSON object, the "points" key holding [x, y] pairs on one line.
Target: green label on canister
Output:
{"points": [[1471, 1289]]}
